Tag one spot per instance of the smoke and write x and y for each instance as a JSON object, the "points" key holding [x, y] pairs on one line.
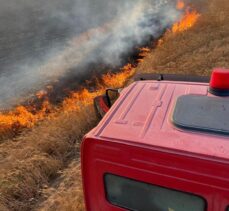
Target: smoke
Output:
{"points": [[44, 40]]}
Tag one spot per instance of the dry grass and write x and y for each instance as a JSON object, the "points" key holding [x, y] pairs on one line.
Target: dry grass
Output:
{"points": [[30, 162], [195, 51], [198, 50], [67, 196], [34, 159]]}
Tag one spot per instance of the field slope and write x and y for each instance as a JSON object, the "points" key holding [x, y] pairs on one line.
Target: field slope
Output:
{"points": [[197, 50], [40, 170]]}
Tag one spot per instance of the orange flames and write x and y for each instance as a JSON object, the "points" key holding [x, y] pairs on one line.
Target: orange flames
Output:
{"points": [[23, 116], [143, 53], [85, 97], [180, 5], [188, 20], [27, 116]]}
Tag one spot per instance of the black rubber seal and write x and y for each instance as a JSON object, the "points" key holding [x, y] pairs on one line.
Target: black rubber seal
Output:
{"points": [[219, 92], [171, 77]]}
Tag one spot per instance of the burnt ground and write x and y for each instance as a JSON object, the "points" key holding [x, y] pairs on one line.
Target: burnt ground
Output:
{"points": [[48, 146], [194, 52], [32, 33]]}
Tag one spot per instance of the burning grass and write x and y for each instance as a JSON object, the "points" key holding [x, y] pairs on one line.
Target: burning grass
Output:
{"points": [[196, 50], [22, 117], [32, 160], [188, 20], [180, 5]]}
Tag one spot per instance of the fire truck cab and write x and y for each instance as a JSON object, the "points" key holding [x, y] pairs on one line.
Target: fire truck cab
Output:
{"points": [[163, 146]]}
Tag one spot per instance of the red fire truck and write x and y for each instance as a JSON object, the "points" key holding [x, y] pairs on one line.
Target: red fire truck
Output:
{"points": [[162, 146]]}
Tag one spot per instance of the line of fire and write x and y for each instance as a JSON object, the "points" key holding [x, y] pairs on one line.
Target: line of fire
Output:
{"points": [[159, 142]]}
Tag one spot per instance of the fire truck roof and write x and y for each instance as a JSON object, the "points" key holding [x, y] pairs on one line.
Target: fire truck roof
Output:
{"points": [[145, 115]]}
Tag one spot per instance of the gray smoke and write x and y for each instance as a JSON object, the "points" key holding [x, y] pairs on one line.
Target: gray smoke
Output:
{"points": [[43, 40]]}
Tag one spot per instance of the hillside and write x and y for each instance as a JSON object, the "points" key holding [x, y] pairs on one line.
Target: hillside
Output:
{"points": [[198, 50], [40, 169]]}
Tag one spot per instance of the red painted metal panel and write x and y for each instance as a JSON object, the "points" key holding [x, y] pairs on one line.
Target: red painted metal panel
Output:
{"points": [[205, 178], [143, 113], [136, 139]]}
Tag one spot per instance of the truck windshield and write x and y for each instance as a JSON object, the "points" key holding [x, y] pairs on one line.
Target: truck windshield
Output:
{"points": [[139, 196]]}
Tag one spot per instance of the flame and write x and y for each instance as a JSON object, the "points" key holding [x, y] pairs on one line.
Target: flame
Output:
{"points": [[180, 5], [85, 97], [143, 53], [187, 21], [28, 116], [118, 80], [23, 116]]}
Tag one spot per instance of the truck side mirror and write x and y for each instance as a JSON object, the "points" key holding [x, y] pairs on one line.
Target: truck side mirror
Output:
{"points": [[112, 95], [104, 102]]}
